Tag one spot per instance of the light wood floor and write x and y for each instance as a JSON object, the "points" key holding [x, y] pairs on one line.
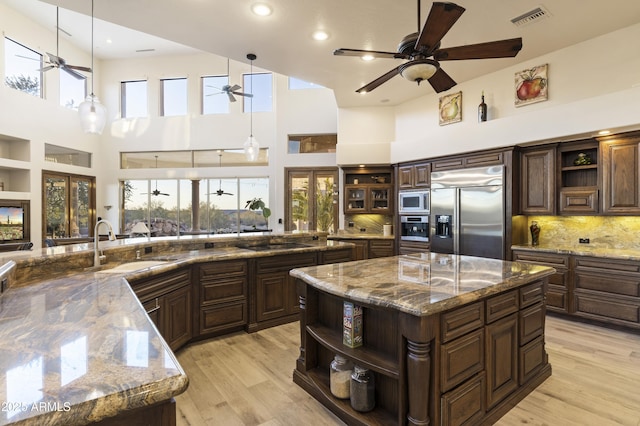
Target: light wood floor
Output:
{"points": [[245, 379]]}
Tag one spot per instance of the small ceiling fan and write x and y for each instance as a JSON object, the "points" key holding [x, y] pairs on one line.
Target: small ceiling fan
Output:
{"points": [[220, 191], [230, 90], [55, 61], [420, 46], [155, 192]]}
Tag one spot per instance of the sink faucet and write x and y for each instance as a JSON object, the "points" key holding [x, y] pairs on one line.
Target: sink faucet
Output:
{"points": [[96, 240]]}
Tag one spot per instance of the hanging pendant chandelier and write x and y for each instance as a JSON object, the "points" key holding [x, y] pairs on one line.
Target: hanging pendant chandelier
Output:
{"points": [[251, 145], [93, 115]]}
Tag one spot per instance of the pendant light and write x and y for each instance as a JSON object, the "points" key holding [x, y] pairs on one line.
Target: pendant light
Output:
{"points": [[251, 145], [93, 115]]}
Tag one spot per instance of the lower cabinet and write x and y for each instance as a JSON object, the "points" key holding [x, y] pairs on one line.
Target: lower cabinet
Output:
{"points": [[381, 248], [222, 297], [560, 288], [168, 302], [408, 247], [370, 248]]}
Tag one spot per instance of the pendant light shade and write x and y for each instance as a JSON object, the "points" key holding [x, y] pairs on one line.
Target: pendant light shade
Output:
{"points": [[251, 145], [93, 115]]}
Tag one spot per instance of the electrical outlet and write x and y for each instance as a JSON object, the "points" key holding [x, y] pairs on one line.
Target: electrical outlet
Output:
{"points": [[148, 250], [208, 245], [351, 224], [363, 229], [583, 240]]}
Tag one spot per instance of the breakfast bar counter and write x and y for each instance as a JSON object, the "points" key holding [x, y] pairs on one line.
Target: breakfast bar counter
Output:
{"points": [[449, 339]]}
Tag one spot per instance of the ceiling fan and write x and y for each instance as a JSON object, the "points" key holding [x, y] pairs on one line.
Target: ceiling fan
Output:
{"points": [[230, 90], [55, 61], [155, 192], [419, 47], [220, 191]]}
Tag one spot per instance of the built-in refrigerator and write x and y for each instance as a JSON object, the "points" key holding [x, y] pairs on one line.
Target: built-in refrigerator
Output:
{"points": [[467, 212]]}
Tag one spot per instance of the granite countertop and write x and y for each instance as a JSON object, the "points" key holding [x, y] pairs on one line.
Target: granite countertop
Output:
{"points": [[362, 236], [79, 347], [420, 284], [584, 250]]}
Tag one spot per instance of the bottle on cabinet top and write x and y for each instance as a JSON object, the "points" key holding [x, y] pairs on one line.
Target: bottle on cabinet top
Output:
{"points": [[482, 110]]}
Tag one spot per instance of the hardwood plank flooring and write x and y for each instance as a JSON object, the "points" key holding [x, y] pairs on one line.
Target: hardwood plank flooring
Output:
{"points": [[245, 379]]}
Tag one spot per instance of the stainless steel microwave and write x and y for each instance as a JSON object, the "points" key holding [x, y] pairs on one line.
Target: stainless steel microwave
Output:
{"points": [[413, 202]]}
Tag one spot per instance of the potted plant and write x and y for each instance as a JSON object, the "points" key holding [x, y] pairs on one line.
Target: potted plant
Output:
{"points": [[257, 204]]}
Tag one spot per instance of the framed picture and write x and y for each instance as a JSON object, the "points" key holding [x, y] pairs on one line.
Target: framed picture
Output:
{"points": [[450, 109], [531, 86]]}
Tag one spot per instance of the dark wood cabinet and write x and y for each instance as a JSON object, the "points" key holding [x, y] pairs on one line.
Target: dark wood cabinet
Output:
{"points": [[621, 174], [502, 358], [414, 176], [560, 288], [381, 248], [167, 300], [408, 247], [222, 297], [369, 248], [537, 180], [579, 181], [368, 191], [479, 159]]}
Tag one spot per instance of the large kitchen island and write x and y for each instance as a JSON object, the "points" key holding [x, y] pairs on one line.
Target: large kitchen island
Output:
{"points": [[450, 339]]}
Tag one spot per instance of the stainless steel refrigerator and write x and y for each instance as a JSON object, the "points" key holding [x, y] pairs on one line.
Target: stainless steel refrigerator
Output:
{"points": [[467, 212]]}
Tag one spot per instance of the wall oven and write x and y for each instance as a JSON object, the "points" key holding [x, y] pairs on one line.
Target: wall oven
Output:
{"points": [[413, 202], [414, 228]]}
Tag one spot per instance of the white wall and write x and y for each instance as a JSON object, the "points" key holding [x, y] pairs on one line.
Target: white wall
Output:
{"points": [[592, 86]]}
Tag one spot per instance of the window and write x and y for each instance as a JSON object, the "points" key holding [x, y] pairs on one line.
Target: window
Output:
{"points": [[174, 96], [167, 208], [312, 144], [72, 90], [260, 86], [214, 100], [62, 155], [69, 203], [189, 159], [311, 200], [22, 68], [297, 84], [133, 99]]}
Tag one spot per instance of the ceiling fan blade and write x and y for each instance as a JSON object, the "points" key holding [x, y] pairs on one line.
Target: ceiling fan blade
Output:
{"points": [[54, 59], [378, 81], [73, 73], [248, 95], [441, 81], [234, 88], [26, 57], [440, 20], [78, 67], [47, 68], [374, 53], [231, 97], [493, 49]]}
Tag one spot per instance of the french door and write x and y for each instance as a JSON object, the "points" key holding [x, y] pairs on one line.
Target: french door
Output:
{"points": [[311, 199]]}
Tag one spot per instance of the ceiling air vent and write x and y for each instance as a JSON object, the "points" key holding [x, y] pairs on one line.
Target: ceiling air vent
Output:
{"points": [[535, 15]]}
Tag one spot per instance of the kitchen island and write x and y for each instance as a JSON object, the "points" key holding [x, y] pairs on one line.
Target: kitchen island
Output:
{"points": [[449, 339]]}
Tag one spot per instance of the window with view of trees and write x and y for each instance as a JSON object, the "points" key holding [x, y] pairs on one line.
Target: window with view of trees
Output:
{"points": [[22, 68], [312, 199], [69, 203], [167, 206]]}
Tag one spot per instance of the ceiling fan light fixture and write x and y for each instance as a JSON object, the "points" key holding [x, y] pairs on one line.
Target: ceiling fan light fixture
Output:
{"points": [[419, 70], [320, 35]]}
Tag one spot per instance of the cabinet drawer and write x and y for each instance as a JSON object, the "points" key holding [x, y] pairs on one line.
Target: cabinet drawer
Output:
{"points": [[223, 289], [600, 308], [461, 359], [285, 263], [557, 299], [502, 305], [532, 293], [335, 256], [380, 248], [460, 321], [576, 201], [222, 269], [161, 285], [607, 265], [531, 323], [466, 404], [532, 358], [554, 261], [222, 316], [608, 283]]}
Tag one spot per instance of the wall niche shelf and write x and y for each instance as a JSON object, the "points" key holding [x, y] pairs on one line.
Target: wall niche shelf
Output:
{"points": [[15, 167]]}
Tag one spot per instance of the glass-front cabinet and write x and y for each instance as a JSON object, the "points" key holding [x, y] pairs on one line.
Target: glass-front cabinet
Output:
{"points": [[368, 190]]}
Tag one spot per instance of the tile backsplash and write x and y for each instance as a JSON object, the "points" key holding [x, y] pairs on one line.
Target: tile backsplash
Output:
{"points": [[620, 232], [371, 223]]}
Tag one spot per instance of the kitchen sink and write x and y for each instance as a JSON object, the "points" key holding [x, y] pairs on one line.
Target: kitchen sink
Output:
{"points": [[133, 266]]}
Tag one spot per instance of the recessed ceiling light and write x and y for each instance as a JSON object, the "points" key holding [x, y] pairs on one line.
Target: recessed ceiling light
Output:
{"points": [[320, 35], [367, 57], [261, 9], [604, 132], [109, 41]]}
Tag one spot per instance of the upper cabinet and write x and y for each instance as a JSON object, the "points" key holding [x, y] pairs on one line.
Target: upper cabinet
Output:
{"points": [[368, 190], [579, 177], [621, 174], [538, 183], [414, 176]]}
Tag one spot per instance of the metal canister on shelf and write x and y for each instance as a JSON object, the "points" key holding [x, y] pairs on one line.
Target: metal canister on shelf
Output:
{"points": [[340, 377], [362, 389]]}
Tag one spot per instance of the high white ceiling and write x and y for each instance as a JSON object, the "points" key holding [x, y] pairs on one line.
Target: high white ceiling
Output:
{"points": [[283, 42]]}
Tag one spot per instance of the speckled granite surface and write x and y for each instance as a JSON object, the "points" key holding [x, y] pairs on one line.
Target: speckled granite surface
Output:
{"points": [[76, 345], [420, 284]]}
